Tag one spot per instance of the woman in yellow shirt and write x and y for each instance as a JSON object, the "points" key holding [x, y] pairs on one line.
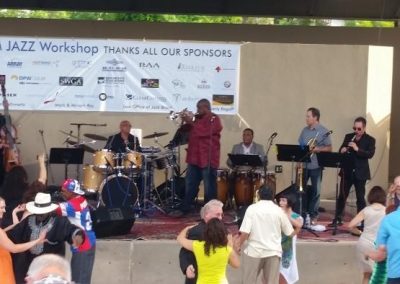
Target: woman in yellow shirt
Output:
{"points": [[213, 254]]}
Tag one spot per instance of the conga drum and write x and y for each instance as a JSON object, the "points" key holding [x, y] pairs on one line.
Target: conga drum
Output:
{"points": [[244, 189], [222, 184]]}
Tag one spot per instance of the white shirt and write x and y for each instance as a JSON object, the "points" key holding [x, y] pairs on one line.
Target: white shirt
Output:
{"points": [[246, 150], [265, 222]]}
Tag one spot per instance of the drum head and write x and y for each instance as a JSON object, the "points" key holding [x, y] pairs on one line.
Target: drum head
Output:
{"points": [[118, 191]]}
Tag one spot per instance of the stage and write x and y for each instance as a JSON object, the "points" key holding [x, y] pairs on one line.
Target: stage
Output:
{"points": [[149, 253]]}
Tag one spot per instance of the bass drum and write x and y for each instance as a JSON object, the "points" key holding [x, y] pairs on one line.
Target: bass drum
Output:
{"points": [[118, 191]]}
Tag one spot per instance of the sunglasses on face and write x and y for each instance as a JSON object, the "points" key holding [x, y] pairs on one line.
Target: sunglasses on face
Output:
{"points": [[357, 128]]}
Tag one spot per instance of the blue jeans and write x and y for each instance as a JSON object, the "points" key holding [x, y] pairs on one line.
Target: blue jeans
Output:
{"points": [[312, 193], [194, 176], [82, 266], [393, 281]]}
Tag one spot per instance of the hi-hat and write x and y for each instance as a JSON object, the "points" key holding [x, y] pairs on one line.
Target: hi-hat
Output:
{"points": [[155, 134], [68, 134], [95, 136]]}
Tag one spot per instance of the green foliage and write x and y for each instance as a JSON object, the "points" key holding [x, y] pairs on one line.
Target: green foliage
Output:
{"points": [[138, 17]]}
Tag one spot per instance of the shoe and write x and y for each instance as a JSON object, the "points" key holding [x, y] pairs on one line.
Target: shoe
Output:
{"points": [[337, 221]]}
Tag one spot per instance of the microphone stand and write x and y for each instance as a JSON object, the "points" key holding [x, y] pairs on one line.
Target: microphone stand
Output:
{"points": [[78, 125]]}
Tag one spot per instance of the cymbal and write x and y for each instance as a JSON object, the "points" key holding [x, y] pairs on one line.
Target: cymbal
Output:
{"points": [[68, 133], [155, 134], [88, 149], [95, 136]]}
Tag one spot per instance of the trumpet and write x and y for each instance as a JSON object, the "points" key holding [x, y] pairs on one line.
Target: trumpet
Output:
{"points": [[173, 115]]}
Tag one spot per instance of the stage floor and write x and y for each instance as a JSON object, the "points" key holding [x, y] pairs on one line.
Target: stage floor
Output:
{"points": [[155, 225]]}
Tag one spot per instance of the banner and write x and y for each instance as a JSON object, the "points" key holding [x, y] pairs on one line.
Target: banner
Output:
{"points": [[65, 74]]}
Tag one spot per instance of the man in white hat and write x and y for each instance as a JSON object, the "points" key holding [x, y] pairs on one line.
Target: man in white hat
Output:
{"points": [[77, 210], [59, 230]]}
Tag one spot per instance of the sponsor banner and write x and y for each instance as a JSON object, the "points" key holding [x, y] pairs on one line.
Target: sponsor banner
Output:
{"points": [[65, 74]]}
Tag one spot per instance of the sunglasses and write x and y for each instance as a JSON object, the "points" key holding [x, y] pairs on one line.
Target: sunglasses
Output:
{"points": [[357, 128]]}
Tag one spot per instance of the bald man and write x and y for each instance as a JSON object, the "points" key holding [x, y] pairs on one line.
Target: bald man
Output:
{"points": [[120, 142]]}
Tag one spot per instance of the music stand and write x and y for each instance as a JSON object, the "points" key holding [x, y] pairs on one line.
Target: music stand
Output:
{"points": [[66, 156], [338, 161], [295, 153], [245, 160]]}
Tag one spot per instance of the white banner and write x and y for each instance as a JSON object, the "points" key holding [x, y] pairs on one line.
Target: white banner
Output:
{"points": [[118, 75]]}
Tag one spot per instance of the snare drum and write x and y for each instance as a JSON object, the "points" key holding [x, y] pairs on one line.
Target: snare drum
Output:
{"points": [[132, 160], [103, 159], [118, 191], [91, 178], [244, 189], [222, 184]]}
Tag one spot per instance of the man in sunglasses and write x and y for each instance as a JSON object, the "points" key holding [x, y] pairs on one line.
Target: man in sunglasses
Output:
{"points": [[360, 147]]}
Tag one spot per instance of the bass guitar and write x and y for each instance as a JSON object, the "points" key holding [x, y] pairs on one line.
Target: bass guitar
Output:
{"points": [[9, 133]]}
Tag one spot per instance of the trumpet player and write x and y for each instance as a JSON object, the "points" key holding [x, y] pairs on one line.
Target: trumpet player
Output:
{"points": [[317, 137], [203, 153]]}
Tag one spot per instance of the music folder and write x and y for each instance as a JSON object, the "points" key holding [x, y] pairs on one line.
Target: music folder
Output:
{"points": [[245, 160]]}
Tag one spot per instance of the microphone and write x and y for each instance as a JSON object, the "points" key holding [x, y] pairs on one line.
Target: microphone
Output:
{"points": [[212, 118], [41, 131], [354, 138], [327, 133], [273, 135]]}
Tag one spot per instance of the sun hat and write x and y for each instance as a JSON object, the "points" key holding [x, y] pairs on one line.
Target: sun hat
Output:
{"points": [[42, 204]]}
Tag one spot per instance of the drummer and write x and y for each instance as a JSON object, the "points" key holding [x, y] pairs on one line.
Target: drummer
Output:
{"points": [[123, 141], [248, 147]]}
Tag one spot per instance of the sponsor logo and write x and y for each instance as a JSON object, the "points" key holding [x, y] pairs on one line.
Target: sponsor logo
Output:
{"points": [[149, 65], [70, 81], [162, 99], [189, 98], [176, 83], [79, 96], [80, 63], [227, 84], [28, 80], [114, 65], [47, 63], [150, 83], [114, 62], [190, 68], [14, 63], [11, 95], [222, 99], [176, 96], [132, 97], [102, 97], [111, 80], [203, 85], [220, 69]]}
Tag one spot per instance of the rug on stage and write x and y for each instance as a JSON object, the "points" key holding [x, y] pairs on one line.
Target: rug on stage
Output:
{"points": [[155, 225]]}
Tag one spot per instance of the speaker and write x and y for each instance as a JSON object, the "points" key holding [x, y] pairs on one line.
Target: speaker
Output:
{"points": [[179, 188], [112, 221]]}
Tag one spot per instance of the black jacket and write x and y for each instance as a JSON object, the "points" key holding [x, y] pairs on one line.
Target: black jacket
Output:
{"points": [[116, 143], [359, 160], [187, 257]]}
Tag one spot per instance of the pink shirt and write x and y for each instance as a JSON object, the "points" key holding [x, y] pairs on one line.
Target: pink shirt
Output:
{"points": [[204, 141]]}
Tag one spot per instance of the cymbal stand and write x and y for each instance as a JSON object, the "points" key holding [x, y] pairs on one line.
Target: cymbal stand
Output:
{"points": [[173, 201], [147, 188]]}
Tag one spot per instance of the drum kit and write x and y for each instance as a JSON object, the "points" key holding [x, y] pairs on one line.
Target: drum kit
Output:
{"points": [[125, 179]]}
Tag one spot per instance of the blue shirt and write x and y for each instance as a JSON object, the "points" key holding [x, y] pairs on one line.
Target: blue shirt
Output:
{"points": [[389, 236], [317, 132]]}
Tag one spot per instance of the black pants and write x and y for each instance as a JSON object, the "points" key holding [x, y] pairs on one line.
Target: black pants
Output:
{"points": [[348, 180]]}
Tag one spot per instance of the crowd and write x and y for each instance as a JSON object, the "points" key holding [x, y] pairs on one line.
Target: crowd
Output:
{"points": [[35, 228]]}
